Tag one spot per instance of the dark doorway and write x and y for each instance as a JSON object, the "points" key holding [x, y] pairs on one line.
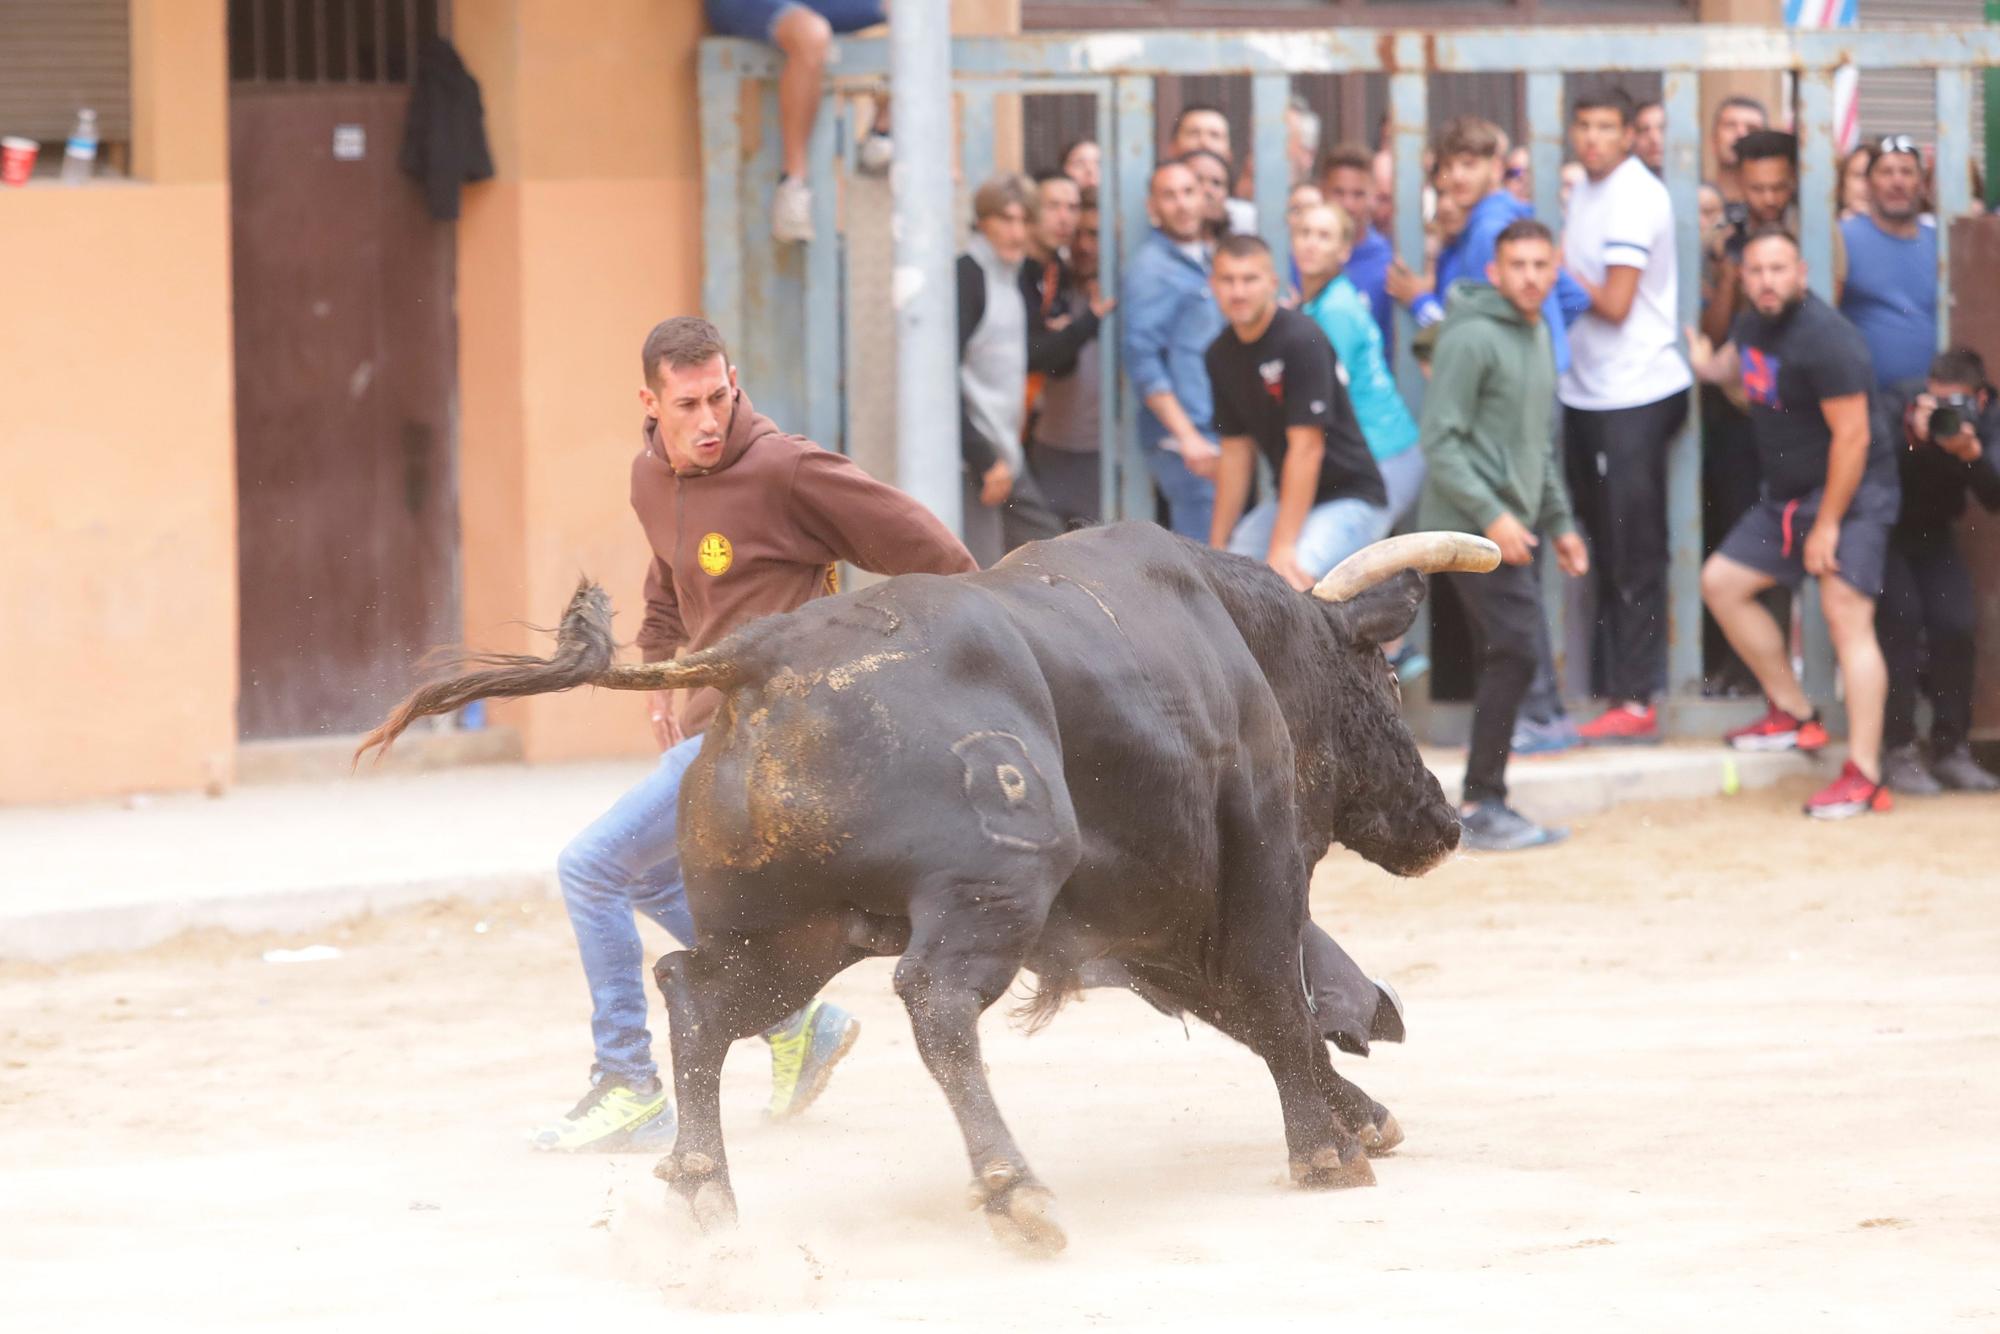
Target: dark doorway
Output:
{"points": [[346, 371]]}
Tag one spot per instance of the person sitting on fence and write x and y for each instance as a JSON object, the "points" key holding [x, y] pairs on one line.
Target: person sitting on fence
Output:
{"points": [[1830, 495], [1949, 426], [1170, 318], [1003, 506], [804, 31], [1064, 313]]}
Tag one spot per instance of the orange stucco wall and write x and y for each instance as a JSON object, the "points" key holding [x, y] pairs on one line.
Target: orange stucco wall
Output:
{"points": [[117, 515]]}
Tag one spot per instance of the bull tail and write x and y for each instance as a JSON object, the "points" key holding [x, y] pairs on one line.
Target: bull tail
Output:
{"points": [[584, 649], [1053, 990]]}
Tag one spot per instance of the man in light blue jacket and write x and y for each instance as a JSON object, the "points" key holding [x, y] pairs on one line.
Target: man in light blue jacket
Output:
{"points": [[1170, 320]]}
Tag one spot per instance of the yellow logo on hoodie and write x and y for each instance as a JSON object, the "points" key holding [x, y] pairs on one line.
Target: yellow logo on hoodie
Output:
{"points": [[714, 553]]}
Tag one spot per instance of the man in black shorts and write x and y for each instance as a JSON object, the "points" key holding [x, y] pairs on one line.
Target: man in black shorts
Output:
{"points": [[1830, 495]]}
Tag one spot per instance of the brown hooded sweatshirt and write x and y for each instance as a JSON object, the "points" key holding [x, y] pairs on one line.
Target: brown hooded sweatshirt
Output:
{"points": [[761, 532]]}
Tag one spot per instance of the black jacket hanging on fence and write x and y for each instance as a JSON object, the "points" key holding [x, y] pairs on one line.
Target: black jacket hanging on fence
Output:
{"points": [[444, 144]]}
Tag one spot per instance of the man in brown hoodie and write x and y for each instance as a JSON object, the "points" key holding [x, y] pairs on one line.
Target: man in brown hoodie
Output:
{"points": [[744, 520]]}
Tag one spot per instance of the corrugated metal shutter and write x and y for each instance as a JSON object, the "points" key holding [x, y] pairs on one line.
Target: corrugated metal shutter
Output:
{"points": [[59, 55], [1901, 101]]}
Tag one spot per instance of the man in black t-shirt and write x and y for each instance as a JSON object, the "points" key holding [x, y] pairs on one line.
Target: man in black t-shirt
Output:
{"points": [[1829, 497], [1280, 389]]}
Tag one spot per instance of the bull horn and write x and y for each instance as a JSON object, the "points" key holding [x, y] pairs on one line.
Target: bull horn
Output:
{"points": [[1426, 553]]}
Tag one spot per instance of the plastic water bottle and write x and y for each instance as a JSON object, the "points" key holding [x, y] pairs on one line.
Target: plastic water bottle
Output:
{"points": [[80, 156]]}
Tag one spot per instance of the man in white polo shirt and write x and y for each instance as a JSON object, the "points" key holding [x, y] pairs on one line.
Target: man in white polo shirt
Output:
{"points": [[1624, 400]]}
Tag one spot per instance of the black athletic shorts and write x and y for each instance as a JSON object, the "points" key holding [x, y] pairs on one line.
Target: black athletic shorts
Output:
{"points": [[1771, 538]]}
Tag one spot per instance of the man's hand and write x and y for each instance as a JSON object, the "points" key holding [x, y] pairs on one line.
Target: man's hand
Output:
{"points": [[997, 484], [1285, 560], [1517, 545], [1101, 305], [663, 709], [1964, 446], [1701, 352], [1822, 544], [1406, 286], [1572, 556], [1200, 454]]}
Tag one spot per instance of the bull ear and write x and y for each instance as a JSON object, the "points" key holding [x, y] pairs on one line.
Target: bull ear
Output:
{"points": [[1386, 611]]}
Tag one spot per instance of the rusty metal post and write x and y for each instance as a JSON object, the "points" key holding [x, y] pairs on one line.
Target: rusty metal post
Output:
{"points": [[1682, 100], [1270, 94], [1952, 179], [927, 457], [1818, 167], [1123, 209]]}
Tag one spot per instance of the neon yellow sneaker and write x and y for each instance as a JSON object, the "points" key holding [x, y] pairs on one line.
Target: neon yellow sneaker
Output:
{"points": [[614, 1117], [804, 1050]]}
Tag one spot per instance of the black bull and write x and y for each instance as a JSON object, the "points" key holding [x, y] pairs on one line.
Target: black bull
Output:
{"points": [[1114, 746]]}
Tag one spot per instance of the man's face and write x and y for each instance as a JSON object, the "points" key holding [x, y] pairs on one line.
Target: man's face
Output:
{"points": [[1731, 124], [1007, 232], [1305, 195], [1601, 140], [1354, 190], [1083, 247], [1202, 130], [1774, 276], [1524, 271], [1246, 288], [1083, 163], [692, 407], [1519, 176], [1896, 187], [1467, 178], [1055, 213], [1214, 179], [1649, 137], [1177, 202], [1319, 243], [1770, 184]]}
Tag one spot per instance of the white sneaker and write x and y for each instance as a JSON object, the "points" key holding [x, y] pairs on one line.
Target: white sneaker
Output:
{"points": [[791, 212], [877, 151]]}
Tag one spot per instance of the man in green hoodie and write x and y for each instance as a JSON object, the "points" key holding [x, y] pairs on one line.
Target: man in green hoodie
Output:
{"points": [[1489, 448]]}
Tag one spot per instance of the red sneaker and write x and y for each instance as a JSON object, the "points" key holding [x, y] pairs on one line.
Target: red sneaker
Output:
{"points": [[1853, 793], [1621, 725], [1778, 730]]}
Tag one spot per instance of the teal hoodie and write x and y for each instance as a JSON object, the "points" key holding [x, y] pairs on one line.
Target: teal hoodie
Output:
{"points": [[1487, 422]]}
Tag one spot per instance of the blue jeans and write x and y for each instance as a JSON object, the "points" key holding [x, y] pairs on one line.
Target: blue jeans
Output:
{"points": [[1403, 477], [1190, 499], [1334, 530], [628, 859], [756, 18]]}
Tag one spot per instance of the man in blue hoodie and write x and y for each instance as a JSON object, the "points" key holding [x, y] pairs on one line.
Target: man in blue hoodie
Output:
{"points": [[1471, 167]]}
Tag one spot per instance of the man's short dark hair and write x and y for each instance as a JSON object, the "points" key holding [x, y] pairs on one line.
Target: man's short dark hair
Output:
{"points": [[1761, 145], [681, 342], [1959, 364], [1194, 109], [1042, 178], [1770, 231], [1469, 136], [1741, 102], [1187, 159], [1086, 199], [1650, 104], [1523, 229], [1609, 98], [1242, 245], [1347, 157]]}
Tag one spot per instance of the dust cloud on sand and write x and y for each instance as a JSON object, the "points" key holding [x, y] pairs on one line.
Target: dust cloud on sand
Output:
{"points": [[1707, 1065]]}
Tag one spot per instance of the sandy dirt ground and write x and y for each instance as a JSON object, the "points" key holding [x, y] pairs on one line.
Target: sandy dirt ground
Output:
{"points": [[1706, 1066]]}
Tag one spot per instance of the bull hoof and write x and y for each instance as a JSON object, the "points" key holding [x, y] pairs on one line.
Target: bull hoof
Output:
{"points": [[1024, 1220], [714, 1206], [1381, 1139], [1325, 1171]]}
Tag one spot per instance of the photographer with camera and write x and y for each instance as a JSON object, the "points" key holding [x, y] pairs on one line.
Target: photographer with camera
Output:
{"points": [[1949, 427]]}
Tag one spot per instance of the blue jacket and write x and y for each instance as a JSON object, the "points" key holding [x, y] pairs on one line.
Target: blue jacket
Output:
{"points": [[1368, 269], [1170, 318], [1465, 260]]}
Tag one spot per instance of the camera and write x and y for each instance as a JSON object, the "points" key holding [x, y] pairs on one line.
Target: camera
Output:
{"points": [[1950, 415], [1737, 215]]}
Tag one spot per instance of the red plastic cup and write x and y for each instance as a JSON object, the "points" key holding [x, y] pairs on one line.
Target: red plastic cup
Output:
{"points": [[17, 159]]}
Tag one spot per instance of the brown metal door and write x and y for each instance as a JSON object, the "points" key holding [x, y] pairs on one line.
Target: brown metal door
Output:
{"points": [[346, 355]]}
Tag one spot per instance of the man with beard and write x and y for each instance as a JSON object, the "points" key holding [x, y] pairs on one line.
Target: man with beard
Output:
{"points": [[1649, 138], [1891, 289], [1830, 496]]}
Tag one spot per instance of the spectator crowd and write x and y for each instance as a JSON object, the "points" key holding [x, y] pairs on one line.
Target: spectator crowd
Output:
{"points": [[1837, 446]]}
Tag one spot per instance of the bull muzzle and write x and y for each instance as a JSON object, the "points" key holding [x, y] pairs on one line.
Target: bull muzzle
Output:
{"points": [[1426, 553]]}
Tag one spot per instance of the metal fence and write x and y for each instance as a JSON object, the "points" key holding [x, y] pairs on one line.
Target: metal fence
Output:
{"points": [[785, 306]]}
